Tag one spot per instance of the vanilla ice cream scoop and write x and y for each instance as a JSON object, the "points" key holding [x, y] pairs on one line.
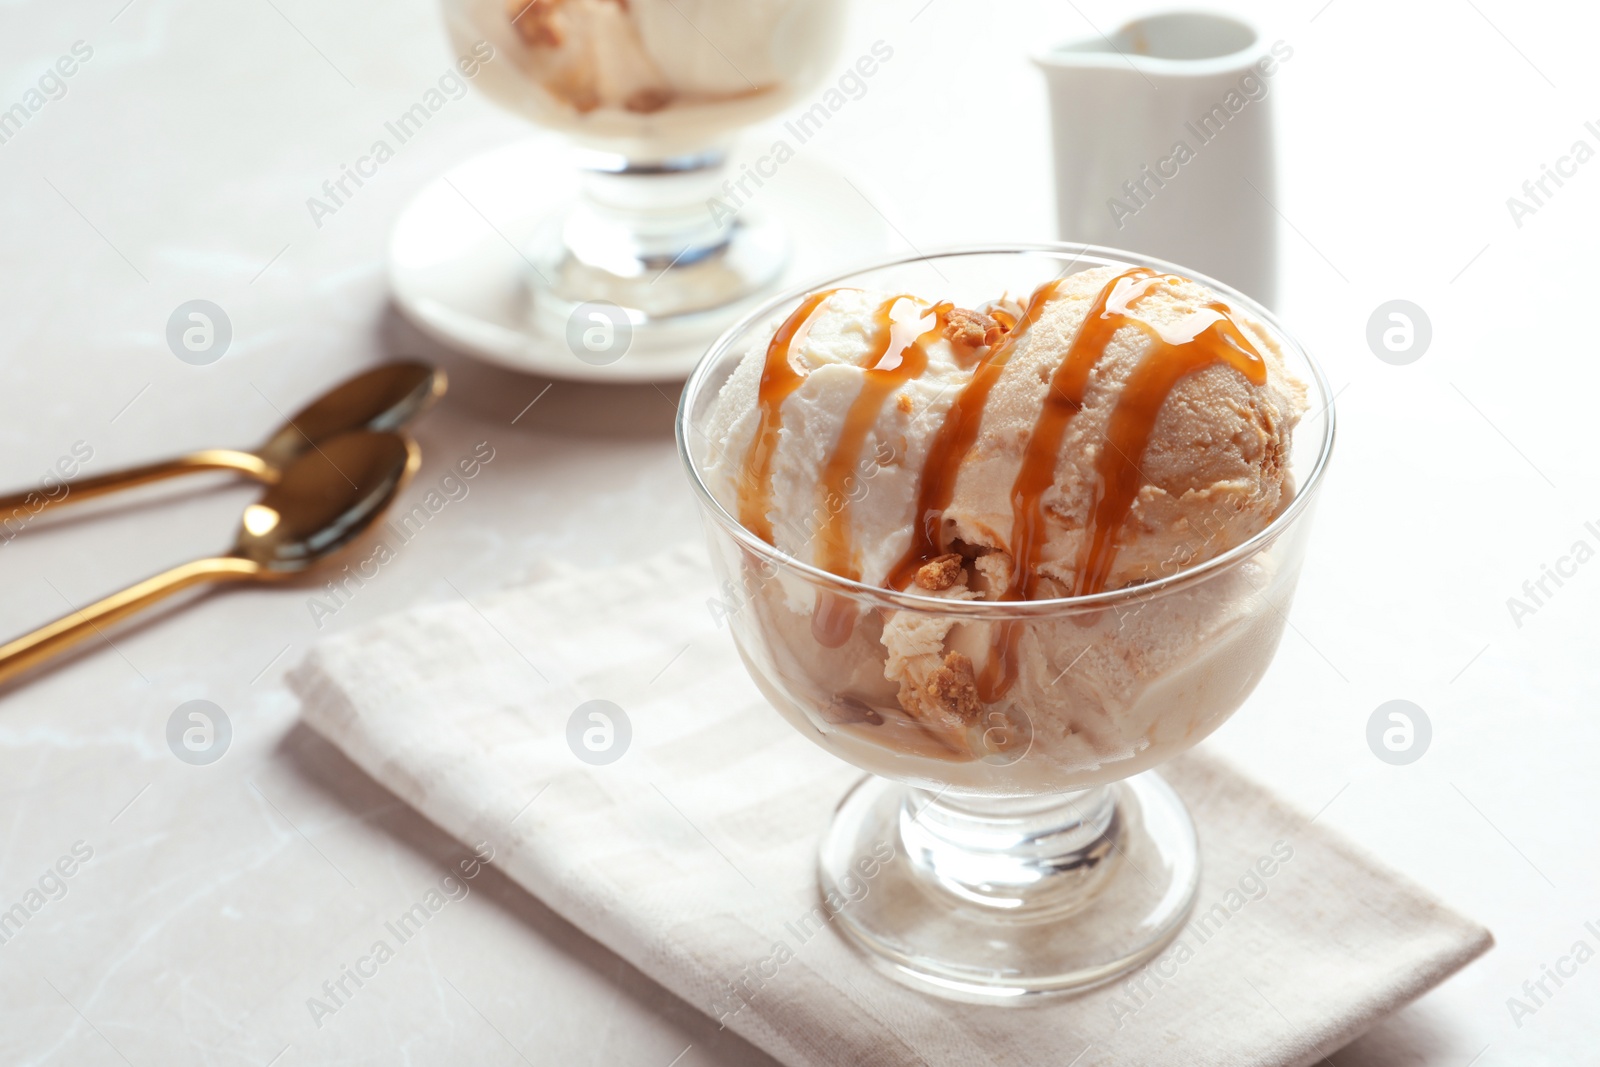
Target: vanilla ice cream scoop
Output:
{"points": [[818, 440], [651, 80], [591, 53], [718, 48], [643, 55]]}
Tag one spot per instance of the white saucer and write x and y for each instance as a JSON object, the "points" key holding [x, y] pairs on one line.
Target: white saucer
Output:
{"points": [[455, 271]]}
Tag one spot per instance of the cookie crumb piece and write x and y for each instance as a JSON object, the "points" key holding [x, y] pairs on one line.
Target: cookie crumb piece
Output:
{"points": [[940, 573], [954, 688], [972, 328]]}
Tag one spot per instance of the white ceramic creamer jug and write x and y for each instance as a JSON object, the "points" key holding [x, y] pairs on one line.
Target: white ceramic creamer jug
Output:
{"points": [[1164, 144]]}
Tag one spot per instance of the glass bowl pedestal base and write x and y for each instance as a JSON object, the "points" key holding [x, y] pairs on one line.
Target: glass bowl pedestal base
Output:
{"points": [[1004, 900]]}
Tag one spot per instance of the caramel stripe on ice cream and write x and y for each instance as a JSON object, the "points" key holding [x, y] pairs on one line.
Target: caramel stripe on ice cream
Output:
{"points": [[897, 356], [1199, 340], [778, 380], [1062, 400], [954, 440]]}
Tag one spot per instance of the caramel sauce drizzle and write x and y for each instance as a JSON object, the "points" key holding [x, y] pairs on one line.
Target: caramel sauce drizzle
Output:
{"points": [[954, 440], [1062, 400], [833, 619], [1199, 340], [778, 380], [899, 354]]}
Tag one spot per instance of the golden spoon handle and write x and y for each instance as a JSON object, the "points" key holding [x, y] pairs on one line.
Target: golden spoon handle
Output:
{"points": [[212, 459], [33, 649]]}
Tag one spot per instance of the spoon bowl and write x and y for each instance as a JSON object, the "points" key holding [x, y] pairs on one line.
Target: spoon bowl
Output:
{"points": [[382, 399], [387, 397], [324, 501]]}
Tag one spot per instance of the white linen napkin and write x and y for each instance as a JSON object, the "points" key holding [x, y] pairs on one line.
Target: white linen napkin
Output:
{"points": [[693, 854]]}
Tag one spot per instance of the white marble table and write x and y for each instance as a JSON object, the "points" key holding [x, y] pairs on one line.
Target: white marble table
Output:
{"points": [[216, 900]]}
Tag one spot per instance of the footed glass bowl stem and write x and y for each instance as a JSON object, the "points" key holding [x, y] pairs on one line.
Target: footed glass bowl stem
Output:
{"points": [[661, 239]]}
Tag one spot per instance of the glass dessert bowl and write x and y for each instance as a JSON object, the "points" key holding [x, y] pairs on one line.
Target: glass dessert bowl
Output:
{"points": [[1007, 548], [652, 92]]}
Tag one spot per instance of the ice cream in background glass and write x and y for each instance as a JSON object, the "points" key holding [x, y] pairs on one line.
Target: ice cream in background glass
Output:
{"points": [[653, 92], [1007, 528]]}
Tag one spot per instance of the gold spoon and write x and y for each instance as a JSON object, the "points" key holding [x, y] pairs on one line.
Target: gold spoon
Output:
{"points": [[384, 398], [324, 500]]}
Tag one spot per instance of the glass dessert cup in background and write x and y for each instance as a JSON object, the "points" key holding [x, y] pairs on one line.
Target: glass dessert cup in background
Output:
{"points": [[646, 232], [1033, 851]]}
